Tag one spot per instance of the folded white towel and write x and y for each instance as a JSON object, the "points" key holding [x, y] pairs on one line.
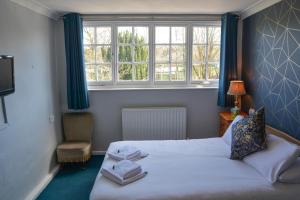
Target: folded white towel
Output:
{"points": [[126, 169], [137, 156], [127, 153], [109, 173]]}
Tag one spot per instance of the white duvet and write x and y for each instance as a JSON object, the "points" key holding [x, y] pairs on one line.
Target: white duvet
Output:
{"points": [[191, 170]]}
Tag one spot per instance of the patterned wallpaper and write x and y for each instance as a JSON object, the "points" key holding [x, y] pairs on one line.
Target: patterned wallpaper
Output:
{"points": [[271, 64]]}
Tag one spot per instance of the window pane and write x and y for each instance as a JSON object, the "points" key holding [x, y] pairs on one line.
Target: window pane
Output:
{"points": [[199, 53], [162, 35], [214, 35], [162, 72], [104, 72], [125, 34], [133, 52], [198, 72], [125, 54], [213, 70], [141, 35], [90, 72], [103, 35], [125, 72], [141, 72], [88, 35], [177, 72], [178, 35], [213, 53], [141, 53], [178, 53], [199, 35], [103, 54], [89, 54], [206, 48], [162, 53]]}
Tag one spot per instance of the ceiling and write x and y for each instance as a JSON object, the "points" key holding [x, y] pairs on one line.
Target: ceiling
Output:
{"points": [[147, 6], [56, 8]]}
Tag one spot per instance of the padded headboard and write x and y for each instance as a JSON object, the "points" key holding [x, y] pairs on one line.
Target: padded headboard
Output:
{"points": [[274, 131]]}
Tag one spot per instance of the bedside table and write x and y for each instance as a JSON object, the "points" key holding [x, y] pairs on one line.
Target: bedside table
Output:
{"points": [[225, 121]]}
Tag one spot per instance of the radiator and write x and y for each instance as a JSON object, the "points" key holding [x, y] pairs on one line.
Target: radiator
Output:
{"points": [[164, 123]]}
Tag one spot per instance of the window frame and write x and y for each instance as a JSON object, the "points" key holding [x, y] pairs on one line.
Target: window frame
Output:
{"points": [[129, 82], [204, 81], [166, 24], [189, 25]]}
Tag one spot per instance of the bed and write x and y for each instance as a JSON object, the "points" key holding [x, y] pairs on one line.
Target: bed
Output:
{"points": [[191, 170]]}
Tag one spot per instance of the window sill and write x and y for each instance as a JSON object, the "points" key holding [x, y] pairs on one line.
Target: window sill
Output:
{"points": [[155, 87]]}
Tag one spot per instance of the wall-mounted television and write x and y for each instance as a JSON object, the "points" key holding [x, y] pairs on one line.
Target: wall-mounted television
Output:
{"points": [[7, 82]]}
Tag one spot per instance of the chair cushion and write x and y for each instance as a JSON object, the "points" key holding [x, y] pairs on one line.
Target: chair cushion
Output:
{"points": [[73, 152]]}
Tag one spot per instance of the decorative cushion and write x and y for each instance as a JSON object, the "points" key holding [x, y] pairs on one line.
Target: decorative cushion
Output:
{"points": [[228, 133], [248, 135]]}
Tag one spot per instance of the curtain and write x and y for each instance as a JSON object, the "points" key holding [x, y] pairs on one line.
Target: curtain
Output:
{"points": [[76, 80], [228, 60]]}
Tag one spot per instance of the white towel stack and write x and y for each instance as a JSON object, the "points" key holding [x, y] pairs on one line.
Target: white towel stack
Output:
{"points": [[124, 172], [127, 153]]}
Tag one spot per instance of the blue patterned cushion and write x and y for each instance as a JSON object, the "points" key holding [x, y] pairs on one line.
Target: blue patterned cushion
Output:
{"points": [[248, 135]]}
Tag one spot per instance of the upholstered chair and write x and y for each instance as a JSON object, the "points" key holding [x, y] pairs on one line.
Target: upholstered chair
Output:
{"points": [[78, 128]]}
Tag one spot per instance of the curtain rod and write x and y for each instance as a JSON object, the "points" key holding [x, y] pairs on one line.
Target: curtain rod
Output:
{"points": [[150, 17]]}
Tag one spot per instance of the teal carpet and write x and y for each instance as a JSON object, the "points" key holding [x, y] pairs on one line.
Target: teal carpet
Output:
{"points": [[73, 182]]}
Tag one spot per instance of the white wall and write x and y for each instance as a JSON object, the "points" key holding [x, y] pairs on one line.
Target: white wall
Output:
{"points": [[203, 120], [202, 112], [27, 144]]}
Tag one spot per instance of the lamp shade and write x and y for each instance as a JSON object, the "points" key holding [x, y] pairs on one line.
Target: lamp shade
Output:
{"points": [[236, 88]]}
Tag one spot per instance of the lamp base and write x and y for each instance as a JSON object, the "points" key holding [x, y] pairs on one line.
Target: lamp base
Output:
{"points": [[234, 111]]}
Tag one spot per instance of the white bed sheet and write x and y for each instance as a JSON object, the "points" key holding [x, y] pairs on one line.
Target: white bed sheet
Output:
{"points": [[191, 170]]}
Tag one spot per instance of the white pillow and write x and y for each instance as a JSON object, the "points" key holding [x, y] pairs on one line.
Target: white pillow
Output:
{"points": [[228, 133], [292, 174], [278, 156]]}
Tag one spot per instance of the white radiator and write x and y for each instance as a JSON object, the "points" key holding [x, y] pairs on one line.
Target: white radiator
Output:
{"points": [[165, 123]]}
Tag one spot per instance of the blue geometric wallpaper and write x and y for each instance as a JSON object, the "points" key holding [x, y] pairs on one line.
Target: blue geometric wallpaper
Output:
{"points": [[271, 64]]}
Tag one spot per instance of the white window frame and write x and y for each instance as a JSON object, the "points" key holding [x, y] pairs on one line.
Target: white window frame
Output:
{"points": [[189, 25], [166, 24], [100, 83], [204, 81], [115, 38]]}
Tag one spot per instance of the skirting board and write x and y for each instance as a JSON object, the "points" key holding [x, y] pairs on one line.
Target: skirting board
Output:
{"points": [[42, 185], [98, 153]]}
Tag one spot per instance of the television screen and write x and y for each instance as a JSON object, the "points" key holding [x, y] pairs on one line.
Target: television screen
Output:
{"points": [[7, 85]]}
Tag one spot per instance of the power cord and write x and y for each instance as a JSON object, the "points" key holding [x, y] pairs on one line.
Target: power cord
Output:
{"points": [[4, 109], [5, 125]]}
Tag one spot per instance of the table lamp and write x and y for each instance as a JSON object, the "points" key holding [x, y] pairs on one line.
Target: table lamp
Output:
{"points": [[236, 88]]}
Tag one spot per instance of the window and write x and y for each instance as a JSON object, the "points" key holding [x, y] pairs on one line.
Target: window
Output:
{"points": [[170, 51], [133, 53], [152, 53], [98, 53], [206, 53]]}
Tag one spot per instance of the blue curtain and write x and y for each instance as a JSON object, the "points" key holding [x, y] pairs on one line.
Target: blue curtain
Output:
{"points": [[76, 80], [228, 60]]}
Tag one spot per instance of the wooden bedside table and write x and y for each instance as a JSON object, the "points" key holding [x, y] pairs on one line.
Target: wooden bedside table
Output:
{"points": [[225, 121]]}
